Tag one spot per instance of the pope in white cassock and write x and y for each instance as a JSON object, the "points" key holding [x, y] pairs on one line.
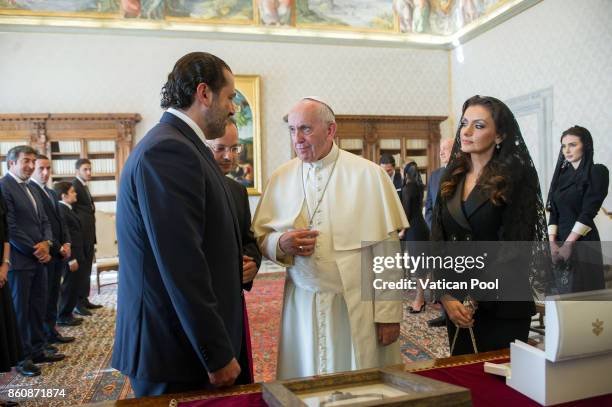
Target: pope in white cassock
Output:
{"points": [[315, 212]]}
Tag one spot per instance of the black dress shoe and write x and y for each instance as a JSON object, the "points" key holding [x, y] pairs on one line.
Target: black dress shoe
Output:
{"points": [[59, 338], [72, 321], [8, 403], [437, 322], [28, 369], [51, 349], [83, 311], [48, 357], [85, 303]]}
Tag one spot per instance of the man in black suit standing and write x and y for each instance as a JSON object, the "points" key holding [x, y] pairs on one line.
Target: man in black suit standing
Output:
{"points": [[179, 308], [60, 248], [433, 186], [387, 163], [69, 294], [85, 209], [226, 150], [30, 238]]}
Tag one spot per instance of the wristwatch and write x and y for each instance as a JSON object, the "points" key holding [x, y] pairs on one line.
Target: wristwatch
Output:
{"points": [[50, 243], [7, 261]]}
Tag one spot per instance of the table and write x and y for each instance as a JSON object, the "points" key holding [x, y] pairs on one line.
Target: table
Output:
{"points": [[464, 370]]}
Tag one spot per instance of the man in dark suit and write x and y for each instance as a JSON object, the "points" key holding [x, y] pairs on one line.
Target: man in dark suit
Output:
{"points": [[85, 209], [446, 146], [60, 248], [226, 150], [30, 238], [433, 186], [69, 288], [179, 307], [387, 163]]}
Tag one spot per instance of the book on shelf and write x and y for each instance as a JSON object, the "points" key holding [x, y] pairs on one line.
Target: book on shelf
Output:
{"points": [[100, 146], [102, 166], [416, 144], [6, 145], [69, 146], [63, 167], [390, 144], [102, 187]]}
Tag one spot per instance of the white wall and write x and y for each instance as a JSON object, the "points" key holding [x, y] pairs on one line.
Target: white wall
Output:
{"points": [[57, 72], [564, 45]]}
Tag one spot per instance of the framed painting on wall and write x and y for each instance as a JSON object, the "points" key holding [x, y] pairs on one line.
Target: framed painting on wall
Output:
{"points": [[248, 121]]}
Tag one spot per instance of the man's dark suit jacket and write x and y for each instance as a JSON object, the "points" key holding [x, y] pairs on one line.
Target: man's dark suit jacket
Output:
{"points": [[73, 224], [433, 186], [59, 229], [243, 212], [26, 227], [179, 307], [86, 211], [397, 182]]}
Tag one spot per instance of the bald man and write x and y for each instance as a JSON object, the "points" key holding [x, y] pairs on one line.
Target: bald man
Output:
{"points": [[310, 220]]}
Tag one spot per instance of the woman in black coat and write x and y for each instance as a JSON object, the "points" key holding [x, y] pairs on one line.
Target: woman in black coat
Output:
{"points": [[412, 201], [576, 194], [10, 342], [490, 193]]}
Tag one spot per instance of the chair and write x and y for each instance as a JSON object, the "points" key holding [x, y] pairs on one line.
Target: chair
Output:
{"points": [[106, 249]]}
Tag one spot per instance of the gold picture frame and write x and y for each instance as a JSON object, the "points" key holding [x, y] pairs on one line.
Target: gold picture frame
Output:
{"points": [[371, 387], [248, 121]]}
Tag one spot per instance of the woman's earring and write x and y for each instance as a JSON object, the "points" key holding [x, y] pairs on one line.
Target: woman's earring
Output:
{"points": [[498, 146]]}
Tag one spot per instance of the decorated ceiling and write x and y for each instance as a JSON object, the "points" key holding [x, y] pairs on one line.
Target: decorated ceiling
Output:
{"points": [[418, 17]]}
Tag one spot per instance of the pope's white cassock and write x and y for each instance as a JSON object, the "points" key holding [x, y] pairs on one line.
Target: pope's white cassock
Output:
{"points": [[326, 325]]}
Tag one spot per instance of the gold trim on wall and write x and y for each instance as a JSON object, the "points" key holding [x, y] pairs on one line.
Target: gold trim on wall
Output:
{"points": [[250, 87]]}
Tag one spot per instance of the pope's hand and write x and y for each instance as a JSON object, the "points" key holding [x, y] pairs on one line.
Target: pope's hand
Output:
{"points": [[226, 376], [387, 333], [299, 242]]}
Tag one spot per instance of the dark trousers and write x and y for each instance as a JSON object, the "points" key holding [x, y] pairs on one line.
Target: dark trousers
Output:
{"points": [[55, 270], [85, 271], [490, 333], [144, 388], [29, 292], [69, 291]]}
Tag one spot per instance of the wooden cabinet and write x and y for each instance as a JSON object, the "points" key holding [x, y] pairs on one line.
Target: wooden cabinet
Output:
{"points": [[405, 137], [104, 138]]}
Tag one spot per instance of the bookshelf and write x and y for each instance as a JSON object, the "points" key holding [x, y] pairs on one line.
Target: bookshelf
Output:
{"points": [[404, 137], [104, 138]]}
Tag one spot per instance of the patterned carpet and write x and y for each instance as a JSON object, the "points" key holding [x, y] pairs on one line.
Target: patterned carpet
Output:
{"points": [[86, 376]]}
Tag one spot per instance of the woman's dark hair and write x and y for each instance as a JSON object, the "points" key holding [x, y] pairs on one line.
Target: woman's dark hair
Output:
{"points": [[188, 72], [583, 172], [61, 188], [495, 179], [412, 174]]}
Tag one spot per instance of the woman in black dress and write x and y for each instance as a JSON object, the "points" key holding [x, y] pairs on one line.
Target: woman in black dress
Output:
{"points": [[490, 192], [10, 343], [412, 201], [576, 194]]}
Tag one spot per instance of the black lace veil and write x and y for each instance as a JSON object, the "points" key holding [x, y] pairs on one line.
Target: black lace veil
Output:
{"points": [[583, 172], [525, 217]]}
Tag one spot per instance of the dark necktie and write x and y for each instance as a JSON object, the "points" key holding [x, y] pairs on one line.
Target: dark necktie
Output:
{"points": [[28, 192], [50, 196], [93, 206]]}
